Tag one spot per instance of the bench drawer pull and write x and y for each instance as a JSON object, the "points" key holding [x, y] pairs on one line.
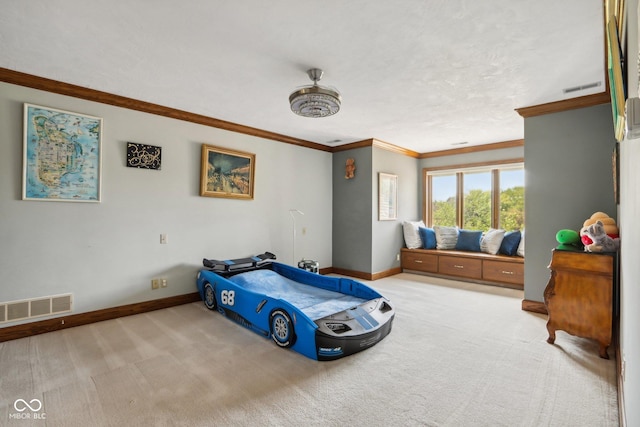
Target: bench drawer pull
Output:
{"points": [[508, 272], [419, 261], [458, 266]]}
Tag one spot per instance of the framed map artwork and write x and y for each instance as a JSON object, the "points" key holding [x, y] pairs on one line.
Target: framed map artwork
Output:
{"points": [[61, 155]]}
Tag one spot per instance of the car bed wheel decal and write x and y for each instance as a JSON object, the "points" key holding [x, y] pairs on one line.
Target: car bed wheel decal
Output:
{"points": [[282, 329], [209, 297]]}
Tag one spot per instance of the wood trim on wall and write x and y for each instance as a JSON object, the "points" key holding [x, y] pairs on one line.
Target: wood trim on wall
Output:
{"points": [[61, 88], [353, 145], [65, 322], [474, 165], [386, 273], [352, 273], [366, 276], [474, 149], [395, 149], [565, 105], [67, 89], [534, 306]]}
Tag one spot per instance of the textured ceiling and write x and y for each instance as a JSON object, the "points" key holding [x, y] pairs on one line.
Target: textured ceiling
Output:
{"points": [[420, 74]]}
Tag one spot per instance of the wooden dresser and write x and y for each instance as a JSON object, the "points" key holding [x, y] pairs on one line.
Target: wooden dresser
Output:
{"points": [[580, 296]]}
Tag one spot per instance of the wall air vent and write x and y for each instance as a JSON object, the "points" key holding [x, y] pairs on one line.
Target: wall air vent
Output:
{"points": [[35, 307], [583, 87]]}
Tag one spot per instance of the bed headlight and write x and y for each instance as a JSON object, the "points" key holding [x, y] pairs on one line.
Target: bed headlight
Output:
{"points": [[338, 328]]}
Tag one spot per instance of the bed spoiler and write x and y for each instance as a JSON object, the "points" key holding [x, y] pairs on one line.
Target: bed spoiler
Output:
{"points": [[240, 264]]}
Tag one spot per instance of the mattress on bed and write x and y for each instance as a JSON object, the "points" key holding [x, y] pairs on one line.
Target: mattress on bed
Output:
{"points": [[314, 302]]}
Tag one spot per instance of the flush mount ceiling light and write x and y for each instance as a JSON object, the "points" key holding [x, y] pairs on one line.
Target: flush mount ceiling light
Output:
{"points": [[315, 101]]}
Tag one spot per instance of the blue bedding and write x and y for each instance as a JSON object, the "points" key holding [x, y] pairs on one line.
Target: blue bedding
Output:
{"points": [[314, 302]]}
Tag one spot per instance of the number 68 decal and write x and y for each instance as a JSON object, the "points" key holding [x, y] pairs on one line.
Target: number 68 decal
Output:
{"points": [[228, 297]]}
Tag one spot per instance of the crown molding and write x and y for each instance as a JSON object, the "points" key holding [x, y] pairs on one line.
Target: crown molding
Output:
{"points": [[61, 88], [565, 105], [372, 142], [474, 149]]}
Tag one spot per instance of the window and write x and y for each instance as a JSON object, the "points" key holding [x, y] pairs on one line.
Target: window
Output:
{"points": [[476, 200], [476, 197], [443, 202]]}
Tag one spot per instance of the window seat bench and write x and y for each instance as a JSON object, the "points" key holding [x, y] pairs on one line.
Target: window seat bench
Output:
{"points": [[480, 267]]}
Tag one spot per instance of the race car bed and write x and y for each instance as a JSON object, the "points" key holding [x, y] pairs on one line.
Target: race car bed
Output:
{"points": [[321, 317]]}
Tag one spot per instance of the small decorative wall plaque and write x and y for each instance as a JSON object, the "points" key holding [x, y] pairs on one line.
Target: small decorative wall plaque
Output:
{"points": [[143, 156], [350, 169]]}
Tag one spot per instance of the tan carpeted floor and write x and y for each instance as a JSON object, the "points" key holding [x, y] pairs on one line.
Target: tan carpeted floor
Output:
{"points": [[459, 354]]}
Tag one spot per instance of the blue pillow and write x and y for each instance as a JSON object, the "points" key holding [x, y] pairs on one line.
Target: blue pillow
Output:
{"points": [[510, 243], [469, 240], [428, 236]]}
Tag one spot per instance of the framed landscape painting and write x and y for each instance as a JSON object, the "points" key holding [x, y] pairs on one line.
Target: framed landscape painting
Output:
{"points": [[61, 155], [227, 173]]}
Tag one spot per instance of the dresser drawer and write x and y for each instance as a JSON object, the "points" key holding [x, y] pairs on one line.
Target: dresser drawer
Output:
{"points": [[459, 266], [420, 262], [508, 272]]}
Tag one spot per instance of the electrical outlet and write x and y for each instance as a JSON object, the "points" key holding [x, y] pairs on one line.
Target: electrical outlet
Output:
{"points": [[155, 283], [163, 283], [163, 239], [397, 257]]}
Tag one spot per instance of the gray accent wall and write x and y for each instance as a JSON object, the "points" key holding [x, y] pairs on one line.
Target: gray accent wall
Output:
{"points": [[106, 253], [568, 177], [352, 201], [361, 242]]}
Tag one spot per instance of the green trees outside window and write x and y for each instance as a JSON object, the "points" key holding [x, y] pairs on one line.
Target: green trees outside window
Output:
{"points": [[478, 199]]}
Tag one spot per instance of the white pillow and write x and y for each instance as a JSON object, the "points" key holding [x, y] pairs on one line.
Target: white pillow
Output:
{"points": [[520, 251], [446, 237], [492, 240], [411, 235]]}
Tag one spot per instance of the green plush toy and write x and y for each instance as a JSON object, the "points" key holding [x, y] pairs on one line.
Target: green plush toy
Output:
{"points": [[568, 239]]}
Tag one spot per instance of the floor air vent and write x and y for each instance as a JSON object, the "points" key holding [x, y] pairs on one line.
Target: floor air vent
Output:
{"points": [[36, 307]]}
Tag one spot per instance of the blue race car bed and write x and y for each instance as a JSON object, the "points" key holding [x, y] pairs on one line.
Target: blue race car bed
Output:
{"points": [[324, 318]]}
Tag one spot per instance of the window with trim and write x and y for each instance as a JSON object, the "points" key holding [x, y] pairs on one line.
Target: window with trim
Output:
{"points": [[476, 196]]}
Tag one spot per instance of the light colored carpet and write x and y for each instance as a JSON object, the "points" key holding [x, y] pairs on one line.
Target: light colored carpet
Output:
{"points": [[459, 354]]}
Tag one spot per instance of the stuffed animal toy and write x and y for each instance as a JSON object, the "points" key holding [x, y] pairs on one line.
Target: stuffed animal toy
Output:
{"points": [[601, 241], [609, 224], [568, 239]]}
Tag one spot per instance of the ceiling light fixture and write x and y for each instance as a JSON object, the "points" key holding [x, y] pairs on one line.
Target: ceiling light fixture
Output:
{"points": [[315, 100]]}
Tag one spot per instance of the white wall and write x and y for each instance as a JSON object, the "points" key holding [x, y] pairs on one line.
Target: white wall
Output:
{"points": [[629, 213], [106, 253], [630, 276]]}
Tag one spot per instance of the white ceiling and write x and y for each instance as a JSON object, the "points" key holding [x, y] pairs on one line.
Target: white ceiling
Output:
{"points": [[420, 74]]}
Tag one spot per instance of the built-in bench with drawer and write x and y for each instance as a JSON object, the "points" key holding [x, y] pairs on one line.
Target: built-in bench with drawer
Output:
{"points": [[502, 270]]}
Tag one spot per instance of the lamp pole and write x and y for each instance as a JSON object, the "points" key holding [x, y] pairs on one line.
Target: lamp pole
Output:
{"points": [[293, 218]]}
